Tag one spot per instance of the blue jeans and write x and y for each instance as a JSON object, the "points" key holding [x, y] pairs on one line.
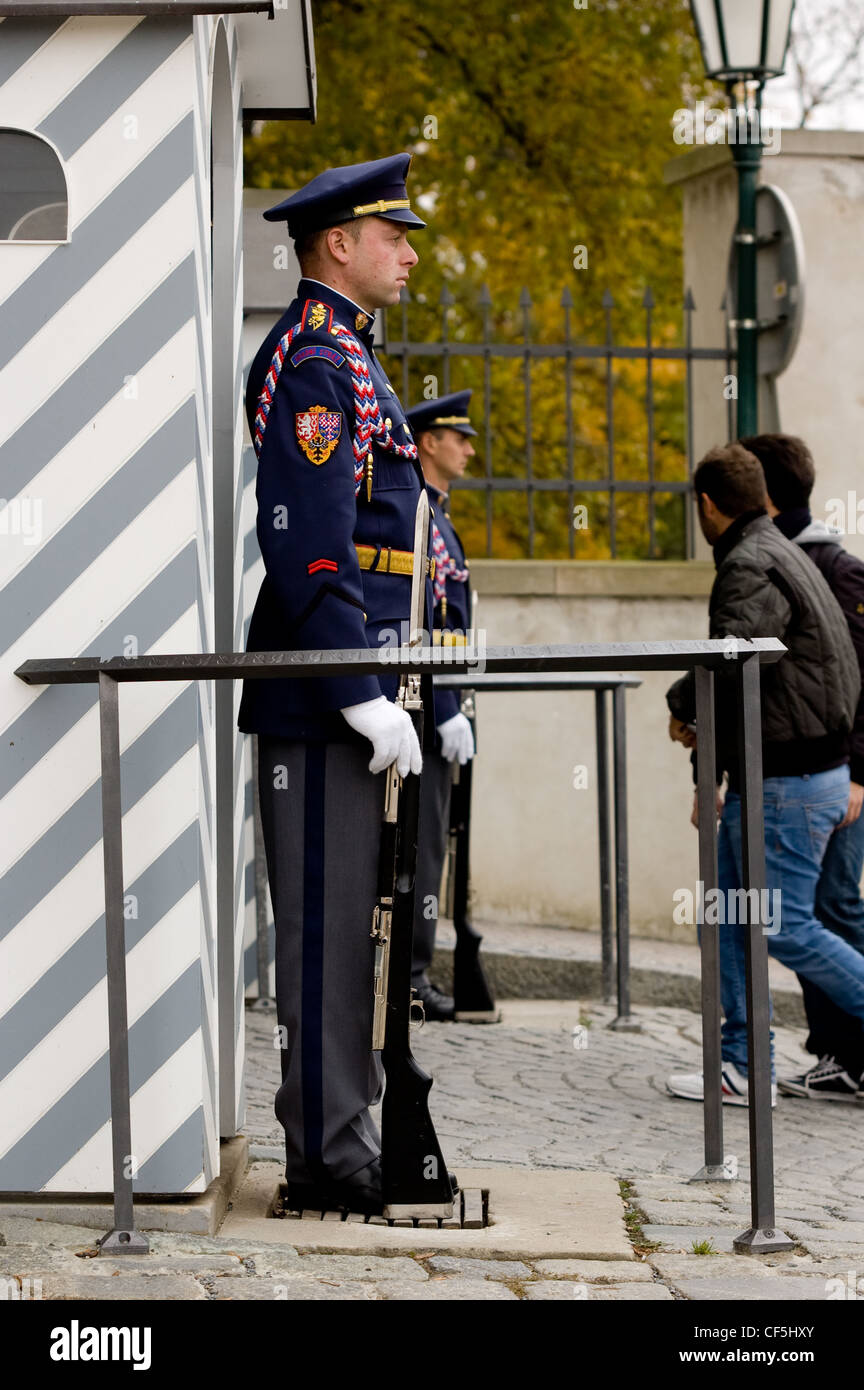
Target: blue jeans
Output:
{"points": [[838, 904], [800, 815]]}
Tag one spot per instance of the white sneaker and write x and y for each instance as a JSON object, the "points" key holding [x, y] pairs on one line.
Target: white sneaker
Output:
{"points": [[689, 1086]]}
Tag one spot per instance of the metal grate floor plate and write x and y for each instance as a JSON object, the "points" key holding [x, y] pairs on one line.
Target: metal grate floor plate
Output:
{"points": [[470, 1212]]}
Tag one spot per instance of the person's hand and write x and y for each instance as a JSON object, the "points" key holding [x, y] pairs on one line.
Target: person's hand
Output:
{"points": [[718, 806], [391, 733], [457, 739], [856, 800], [680, 733]]}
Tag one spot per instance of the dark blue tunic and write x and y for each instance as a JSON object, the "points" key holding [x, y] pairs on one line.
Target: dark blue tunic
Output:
{"points": [[314, 594]]}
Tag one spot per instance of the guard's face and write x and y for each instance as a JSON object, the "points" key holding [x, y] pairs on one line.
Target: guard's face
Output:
{"points": [[448, 451], [381, 261]]}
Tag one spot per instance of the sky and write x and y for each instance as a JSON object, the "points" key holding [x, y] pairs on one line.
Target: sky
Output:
{"points": [[780, 93]]}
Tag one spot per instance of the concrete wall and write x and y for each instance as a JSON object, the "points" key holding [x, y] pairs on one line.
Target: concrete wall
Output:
{"points": [[534, 836], [819, 394]]}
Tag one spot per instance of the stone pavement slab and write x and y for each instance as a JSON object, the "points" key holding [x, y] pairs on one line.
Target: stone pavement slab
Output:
{"points": [[681, 1238], [123, 1286], [753, 1289], [448, 1290], [368, 1267], [483, 1269], [596, 1271], [687, 1213], [781, 1264], [291, 1290], [561, 1290]]}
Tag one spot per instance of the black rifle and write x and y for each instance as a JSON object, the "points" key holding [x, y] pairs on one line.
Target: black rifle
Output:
{"points": [[415, 1179], [472, 993]]}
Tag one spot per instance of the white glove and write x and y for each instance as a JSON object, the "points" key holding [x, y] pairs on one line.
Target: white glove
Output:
{"points": [[457, 739], [391, 733]]}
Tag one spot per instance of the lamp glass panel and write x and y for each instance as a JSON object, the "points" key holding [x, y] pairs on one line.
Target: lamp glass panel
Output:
{"points": [[778, 33], [742, 20], [705, 15]]}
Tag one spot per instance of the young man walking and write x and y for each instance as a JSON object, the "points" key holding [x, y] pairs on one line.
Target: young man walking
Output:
{"points": [[766, 587], [835, 1036]]}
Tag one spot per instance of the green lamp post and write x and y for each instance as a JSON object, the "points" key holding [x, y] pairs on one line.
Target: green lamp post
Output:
{"points": [[743, 43]]}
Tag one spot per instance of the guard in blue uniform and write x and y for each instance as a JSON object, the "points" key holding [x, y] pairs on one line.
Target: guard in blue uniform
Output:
{"points": [[337, 488], [442, 430]]}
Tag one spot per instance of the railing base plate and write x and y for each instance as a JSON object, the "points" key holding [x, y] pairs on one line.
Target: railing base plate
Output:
{"points": [[757, 1241], [120, 1242], [727, 1171], [625, 1023]]}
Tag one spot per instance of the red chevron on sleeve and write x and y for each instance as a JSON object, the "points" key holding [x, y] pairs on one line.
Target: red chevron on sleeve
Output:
{"points": [[315, 565]]}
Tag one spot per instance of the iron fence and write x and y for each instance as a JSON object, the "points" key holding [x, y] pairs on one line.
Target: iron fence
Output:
{"points": [[569, 351]]}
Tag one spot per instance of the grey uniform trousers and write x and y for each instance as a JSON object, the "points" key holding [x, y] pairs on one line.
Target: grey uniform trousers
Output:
{"points": [[321, 812], [435, 785]]}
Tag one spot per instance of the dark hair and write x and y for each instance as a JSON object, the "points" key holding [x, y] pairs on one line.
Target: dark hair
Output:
{"points": [[788, 467], [732, 477], [308, 246]]}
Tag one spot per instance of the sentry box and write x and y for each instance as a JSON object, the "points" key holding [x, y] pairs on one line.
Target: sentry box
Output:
{"points": [[121, 532]]}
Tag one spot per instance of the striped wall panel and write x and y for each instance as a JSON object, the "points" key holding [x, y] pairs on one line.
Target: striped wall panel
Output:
{"points": [[204, 561], [256, 328], [105, 403], [239, 905]]}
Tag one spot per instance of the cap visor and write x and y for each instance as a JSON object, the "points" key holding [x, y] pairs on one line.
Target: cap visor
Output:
{"points": [[402, 215]]}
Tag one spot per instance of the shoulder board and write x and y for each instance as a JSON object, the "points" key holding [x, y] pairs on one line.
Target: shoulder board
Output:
{"points": [[315, 316]]}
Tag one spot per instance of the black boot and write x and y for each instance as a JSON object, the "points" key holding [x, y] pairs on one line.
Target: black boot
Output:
{"points": [[437, 1007], [361, 1192]]}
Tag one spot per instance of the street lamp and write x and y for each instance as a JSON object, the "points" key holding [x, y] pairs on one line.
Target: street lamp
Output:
{"points": [[743, 43]]}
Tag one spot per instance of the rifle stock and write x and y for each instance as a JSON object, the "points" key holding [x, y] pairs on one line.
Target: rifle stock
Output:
{"points": [[415, 1177], [473, 997]]}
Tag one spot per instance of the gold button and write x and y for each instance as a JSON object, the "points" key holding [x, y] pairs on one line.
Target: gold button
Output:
{"points": [[368, 458], [387, 423]]}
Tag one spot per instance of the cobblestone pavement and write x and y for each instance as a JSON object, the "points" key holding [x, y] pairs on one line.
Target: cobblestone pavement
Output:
{"points": [[521, 1094]]}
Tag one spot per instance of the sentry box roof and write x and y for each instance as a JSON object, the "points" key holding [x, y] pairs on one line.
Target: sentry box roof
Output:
{"points": [[276, 47], [128, 7]]}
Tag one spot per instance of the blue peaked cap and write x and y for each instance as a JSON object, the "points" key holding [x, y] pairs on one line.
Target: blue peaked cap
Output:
{"points": [[445, 412], [376, 188]]}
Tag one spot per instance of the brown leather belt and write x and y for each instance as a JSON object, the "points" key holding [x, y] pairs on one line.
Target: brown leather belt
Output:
{"points": [[390, 561]]}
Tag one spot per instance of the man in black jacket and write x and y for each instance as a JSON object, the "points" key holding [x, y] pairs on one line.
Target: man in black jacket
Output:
{"points": [[766, 587], [835, 1036]]}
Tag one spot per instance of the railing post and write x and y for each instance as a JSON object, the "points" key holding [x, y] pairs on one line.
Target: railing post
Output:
{"points": [[624, 1023], [605, 855], [123, 1239], [762, 1235], [718, 1167]]}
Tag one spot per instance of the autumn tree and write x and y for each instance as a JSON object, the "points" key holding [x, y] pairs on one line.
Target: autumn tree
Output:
{"points": [[539, 131]]}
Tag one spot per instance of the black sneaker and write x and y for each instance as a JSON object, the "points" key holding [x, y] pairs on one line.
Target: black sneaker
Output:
{"points": [[826, 1081]]}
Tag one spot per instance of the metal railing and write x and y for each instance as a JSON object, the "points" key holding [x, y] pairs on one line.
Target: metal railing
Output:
{"points": [[614, 958], [701, 656], [568, 350]]}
